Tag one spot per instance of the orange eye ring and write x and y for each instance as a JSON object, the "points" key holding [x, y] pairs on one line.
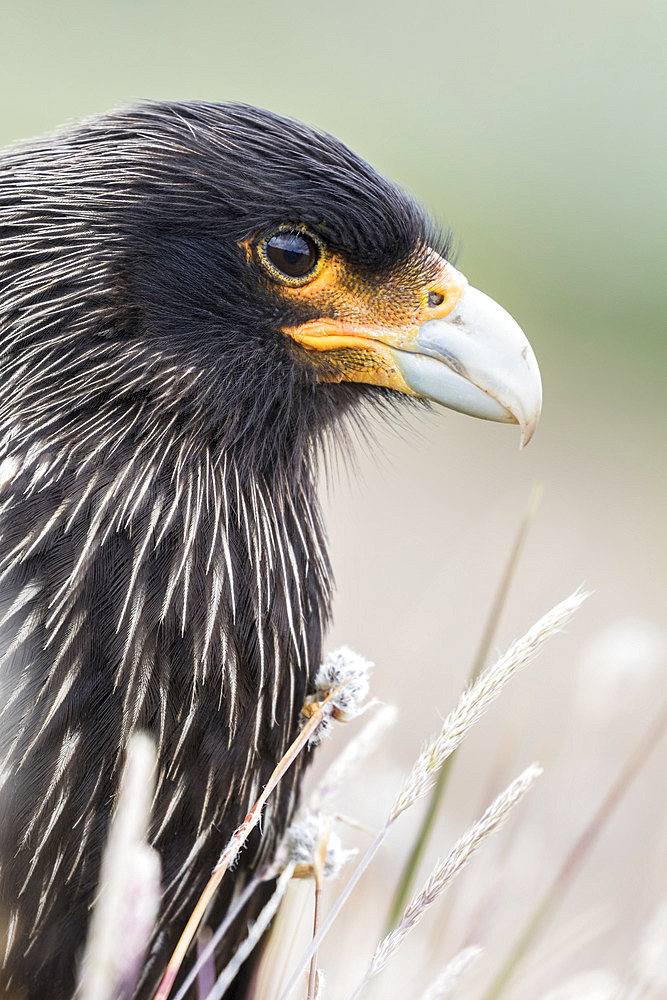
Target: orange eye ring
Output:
{"points": [[291, 255]]}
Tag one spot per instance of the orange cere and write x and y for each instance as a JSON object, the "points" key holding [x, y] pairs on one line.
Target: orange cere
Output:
{"points": [[359, 318]]}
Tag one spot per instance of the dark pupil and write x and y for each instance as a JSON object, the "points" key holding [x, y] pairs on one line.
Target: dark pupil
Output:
{"points": [[292, 253]]}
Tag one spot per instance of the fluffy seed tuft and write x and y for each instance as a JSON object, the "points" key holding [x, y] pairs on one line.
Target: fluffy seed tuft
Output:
{"points": [[301, 842], [342, 679]]}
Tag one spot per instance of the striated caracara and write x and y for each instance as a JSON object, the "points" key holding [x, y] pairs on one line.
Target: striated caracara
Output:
{"points": [[193, 298]]}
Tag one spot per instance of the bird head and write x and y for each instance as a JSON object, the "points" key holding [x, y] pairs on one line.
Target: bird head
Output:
{"points": [[236, 269]]}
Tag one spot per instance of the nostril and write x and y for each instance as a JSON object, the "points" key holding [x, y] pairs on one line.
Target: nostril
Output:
{"points": [[435, 299]]}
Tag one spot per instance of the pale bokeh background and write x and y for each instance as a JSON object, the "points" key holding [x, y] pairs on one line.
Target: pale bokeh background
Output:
{"points": [[537, 132]]}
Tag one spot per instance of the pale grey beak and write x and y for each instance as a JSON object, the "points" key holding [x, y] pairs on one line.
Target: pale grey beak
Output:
{"points": [[476, 360]]}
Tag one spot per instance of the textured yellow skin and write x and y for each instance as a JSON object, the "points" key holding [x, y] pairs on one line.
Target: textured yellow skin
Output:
{"points": [[359, 319], [364, 320]]}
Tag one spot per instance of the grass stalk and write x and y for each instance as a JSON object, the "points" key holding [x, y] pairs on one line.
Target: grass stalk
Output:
{"points": [[443, 873], [578, 854], [255, 933], [205, 974], [207, 952], [318, 876], [416, 855], [234, 846], [335, 909], [471, 706]]}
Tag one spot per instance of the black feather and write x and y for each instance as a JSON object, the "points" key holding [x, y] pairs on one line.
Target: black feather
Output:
{"points": [[162, 561]]}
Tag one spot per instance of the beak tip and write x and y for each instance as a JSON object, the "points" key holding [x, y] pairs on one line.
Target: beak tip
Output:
{"points": [[528, 428], [526, 435]]}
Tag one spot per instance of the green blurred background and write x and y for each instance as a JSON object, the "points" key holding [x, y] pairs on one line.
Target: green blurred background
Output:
{"points": [[536, 130]]}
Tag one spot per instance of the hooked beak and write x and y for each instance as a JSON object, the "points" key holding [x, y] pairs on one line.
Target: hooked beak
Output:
{"points": [[453, 345], [476, 360]]}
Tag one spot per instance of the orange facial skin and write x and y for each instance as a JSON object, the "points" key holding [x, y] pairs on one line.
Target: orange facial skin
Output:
{"points": [[359, 318]]}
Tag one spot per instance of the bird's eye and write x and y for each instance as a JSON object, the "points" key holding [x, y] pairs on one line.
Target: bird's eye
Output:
{"points": [[290, 256]]}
